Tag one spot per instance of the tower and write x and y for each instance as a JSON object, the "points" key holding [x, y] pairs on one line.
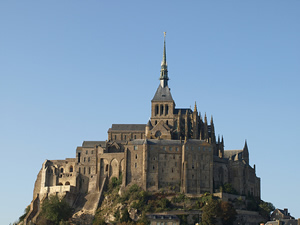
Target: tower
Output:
{"points": [[162, 104]]}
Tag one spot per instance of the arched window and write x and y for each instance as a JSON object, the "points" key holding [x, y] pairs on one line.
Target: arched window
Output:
{"points": [[67, 183], [71, 169], [161, 110], [106, 168], [167, 110], [59, 184], [89, 170], [156, 110], [62, 170]]}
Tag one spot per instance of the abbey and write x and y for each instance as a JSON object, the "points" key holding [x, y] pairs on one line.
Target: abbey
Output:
{"points": [[176, 150]]}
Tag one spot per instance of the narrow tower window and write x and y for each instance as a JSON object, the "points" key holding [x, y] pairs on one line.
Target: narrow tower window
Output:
{"points": [[156, 110], [167, 110], [79, 157]]}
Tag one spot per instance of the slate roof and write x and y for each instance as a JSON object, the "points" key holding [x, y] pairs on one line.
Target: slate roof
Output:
{"points": [[127, 127], [163, 94], [163, 142], [183, 111], [91, 144], [230, 153], [138, 141]]}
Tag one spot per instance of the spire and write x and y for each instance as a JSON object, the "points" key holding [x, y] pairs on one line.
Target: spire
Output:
{"points": [[195, 107], [164, 67], [245, 146], [245, 152], [164, 61]]}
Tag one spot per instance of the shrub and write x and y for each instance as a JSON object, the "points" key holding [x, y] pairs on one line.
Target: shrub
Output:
{"points": [[56, 210], [26, 211]]}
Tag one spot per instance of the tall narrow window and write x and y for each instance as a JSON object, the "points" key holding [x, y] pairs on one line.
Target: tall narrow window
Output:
{"points": [[161, 110], [156, 110], [79, 154], [167, 110]]}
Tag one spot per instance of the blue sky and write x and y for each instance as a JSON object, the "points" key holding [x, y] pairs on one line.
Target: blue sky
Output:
{"points": [[69, 69]]}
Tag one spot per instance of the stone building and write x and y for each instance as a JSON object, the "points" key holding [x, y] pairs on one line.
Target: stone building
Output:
{"points": [[176, 149]]}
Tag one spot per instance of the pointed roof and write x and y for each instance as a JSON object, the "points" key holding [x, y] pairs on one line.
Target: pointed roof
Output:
{"points": [[245, 146], [164, 67], [195, 107], [163, 94]]}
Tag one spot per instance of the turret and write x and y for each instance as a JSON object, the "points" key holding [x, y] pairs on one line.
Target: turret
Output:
{"points": [[245, 153], [195, 122], [148, 128], [205, 128], [212, 131]]}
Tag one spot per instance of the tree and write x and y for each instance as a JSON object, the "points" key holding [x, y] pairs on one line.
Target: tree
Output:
{"points": [[210, 212], [227, 188], [265, 209], [228, 213], [56, 210]]}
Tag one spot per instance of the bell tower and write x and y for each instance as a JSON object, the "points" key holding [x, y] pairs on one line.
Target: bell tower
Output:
{"points": [[162, 104]]}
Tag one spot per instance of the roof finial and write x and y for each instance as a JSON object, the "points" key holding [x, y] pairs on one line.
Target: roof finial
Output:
{"points": [[164, 54], [195, 107], [164, 67]]}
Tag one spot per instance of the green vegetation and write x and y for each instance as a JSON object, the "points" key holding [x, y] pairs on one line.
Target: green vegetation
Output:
{"points": [[26, 211], [55, 211], [265, 209], [120, 204], [215, 210], [227, 188]]}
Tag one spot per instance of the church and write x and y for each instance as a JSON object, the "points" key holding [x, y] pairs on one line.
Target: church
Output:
{"points": [[176, 150]]}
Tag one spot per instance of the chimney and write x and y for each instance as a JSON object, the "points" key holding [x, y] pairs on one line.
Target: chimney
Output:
{"points": [[285, 211]]}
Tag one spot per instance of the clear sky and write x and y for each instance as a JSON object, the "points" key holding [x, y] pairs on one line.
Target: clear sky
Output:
{"points": [[69, 69]]}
